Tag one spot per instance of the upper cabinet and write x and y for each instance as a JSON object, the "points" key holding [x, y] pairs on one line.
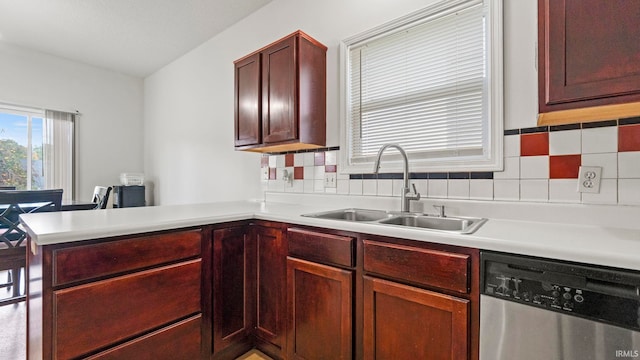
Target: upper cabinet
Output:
{"points": [[588, 57], [280, 96]]}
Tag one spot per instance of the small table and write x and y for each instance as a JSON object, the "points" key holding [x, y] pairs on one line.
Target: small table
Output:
{"points": [[73, 205]]}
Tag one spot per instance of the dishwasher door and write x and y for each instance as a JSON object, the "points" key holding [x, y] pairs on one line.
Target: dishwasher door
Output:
{"points": [[509, 331]]}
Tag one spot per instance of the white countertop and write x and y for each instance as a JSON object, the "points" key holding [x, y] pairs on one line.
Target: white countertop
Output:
{"points": [[604, 245]]}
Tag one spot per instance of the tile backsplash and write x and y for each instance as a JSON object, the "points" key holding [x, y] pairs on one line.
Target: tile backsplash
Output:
{"points": [[540, 165]]}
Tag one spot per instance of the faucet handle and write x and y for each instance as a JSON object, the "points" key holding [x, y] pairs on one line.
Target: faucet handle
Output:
{"points": [[415, 195]]}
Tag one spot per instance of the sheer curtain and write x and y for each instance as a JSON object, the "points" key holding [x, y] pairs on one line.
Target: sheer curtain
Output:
{"points": [[57, 153]]}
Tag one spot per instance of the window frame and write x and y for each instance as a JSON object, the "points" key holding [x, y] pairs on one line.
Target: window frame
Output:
{"points": [[494, 108]]}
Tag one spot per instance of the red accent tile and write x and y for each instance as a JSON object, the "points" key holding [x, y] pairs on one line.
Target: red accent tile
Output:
{"points": [[564, 166], [629, 138], [272, 173], [330, 168], [534, 144], [264, 161], [288, 160], [298, 173], [318, 158]]}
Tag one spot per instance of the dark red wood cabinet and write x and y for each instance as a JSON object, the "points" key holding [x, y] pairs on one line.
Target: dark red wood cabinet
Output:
{"points": [[588, 53], [280, 96], [320, 295], [420, 300], [126, 297], [233, 298], [270, 292]]}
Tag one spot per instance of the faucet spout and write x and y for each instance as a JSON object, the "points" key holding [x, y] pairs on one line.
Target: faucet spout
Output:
{"points": [[406, 196]]}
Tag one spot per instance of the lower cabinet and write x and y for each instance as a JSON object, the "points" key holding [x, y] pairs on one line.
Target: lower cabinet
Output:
{"points": [[320, 295], [319, 309], [233, 299], [269, 288], [134, 297], [406, 322]]}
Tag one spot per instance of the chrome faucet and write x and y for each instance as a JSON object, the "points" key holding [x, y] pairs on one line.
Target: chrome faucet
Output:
{"points": [[406, 196]]}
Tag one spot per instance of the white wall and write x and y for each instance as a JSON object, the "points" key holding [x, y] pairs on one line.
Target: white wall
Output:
{"points": [[110, 127]]}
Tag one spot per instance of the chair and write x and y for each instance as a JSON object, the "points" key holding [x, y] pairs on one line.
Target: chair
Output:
{"points": [[101, 196], [13, 253]]}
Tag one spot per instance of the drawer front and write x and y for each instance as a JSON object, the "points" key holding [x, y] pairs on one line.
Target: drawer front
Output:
{"points": [[96, 315], [179, 341], [324, 248], [441, 269], [112, 257]]}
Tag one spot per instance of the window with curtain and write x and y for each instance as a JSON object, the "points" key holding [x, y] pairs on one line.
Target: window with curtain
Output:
{"points": [[430, 82], [37, 149]]}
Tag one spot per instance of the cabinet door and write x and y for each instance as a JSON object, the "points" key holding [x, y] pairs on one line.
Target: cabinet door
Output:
{"points": [[232, 285], [404, 322], [279, 89], [248, 128], [271, 272], [588, 53], [319, 310]]}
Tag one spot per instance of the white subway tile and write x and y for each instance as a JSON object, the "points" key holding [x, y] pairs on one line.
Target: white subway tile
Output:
{"points": [[280, 161], [512, 146], [308, 185], [369, 187], [318, 172], [331, 158], [511, 169], [273, 161], [565, 142], [437, 188], [534, 190], [608, 193], [564, 191], [481, 189], [458, 189], [297, 186], [342, 186], [608, 162], [355, 187], [397, 187], [385, 187], [629, 191], [422, 185], [629, 165], [309, 159], [309, 172], [534, 167], [318, 185], [507, 189], [600, 140], [276, 185], [298, 159]]}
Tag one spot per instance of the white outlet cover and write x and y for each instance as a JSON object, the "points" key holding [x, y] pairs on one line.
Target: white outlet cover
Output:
{"points": [[589, 179], [330, 180]]}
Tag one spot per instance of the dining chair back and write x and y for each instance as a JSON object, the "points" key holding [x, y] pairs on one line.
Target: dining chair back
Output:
{"points": [[13, 252], [101, 196]]}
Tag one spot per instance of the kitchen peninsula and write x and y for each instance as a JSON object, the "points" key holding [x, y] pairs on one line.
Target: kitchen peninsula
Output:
{"points": [[154, 269]]}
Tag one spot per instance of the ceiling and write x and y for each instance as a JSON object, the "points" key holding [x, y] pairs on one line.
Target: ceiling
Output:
{"points": [[135, 37]]}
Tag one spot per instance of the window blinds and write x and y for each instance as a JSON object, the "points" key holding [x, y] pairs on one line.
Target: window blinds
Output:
{"points": [[421, 87]]}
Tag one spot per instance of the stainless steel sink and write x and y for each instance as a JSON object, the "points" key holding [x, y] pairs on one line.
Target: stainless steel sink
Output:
{"points": [[352, 215], [462, 225]]}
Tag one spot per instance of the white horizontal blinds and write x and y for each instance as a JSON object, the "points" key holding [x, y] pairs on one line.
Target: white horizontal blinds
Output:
{"points": [[421, 87]]}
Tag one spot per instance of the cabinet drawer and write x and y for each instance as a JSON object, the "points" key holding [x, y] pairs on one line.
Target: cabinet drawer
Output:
{"points": [[96, 315], [324, 248], [441, 269], [107, 258], [179, 341]]}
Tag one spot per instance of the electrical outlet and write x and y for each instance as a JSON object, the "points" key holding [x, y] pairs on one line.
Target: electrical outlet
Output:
{"points": [[330, 180], [265, 173], [589, 179]]}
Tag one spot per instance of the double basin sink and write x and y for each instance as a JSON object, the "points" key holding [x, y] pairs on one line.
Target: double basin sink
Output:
{"points": [[459, 225]]}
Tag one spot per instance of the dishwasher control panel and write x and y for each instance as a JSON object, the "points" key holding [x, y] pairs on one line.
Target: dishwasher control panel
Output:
{"points": [[597, 293]]}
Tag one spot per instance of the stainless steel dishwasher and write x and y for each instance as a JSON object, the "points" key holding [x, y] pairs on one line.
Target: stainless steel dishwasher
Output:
{"points": [[542, 309]]}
